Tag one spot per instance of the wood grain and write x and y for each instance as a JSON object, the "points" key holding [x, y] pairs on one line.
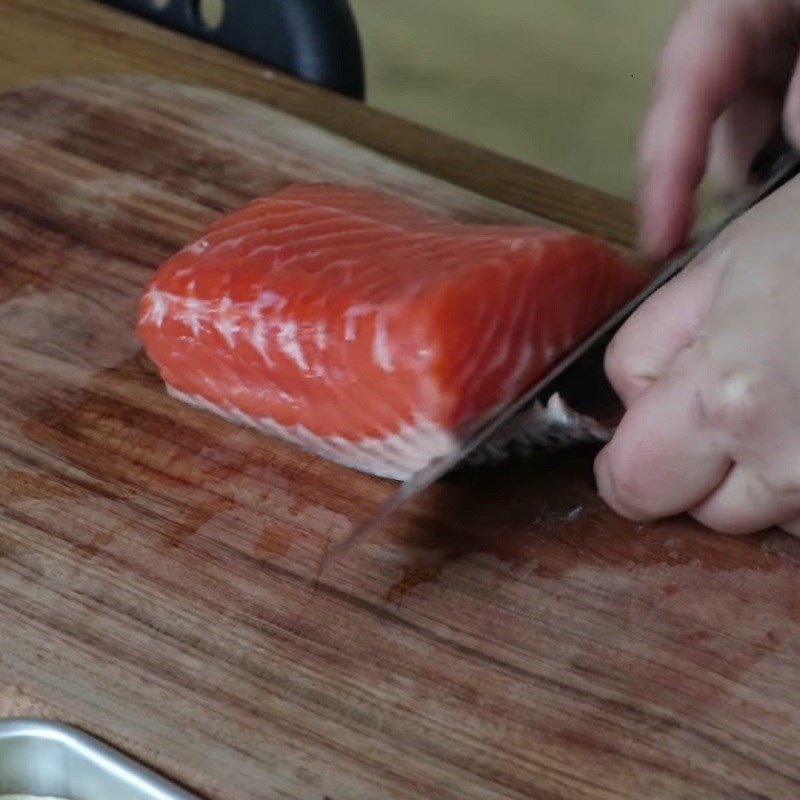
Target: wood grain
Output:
{"points": [[46, 38], [160, 585]]}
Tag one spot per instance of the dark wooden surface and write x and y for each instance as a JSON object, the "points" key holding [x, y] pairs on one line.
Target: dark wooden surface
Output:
{"points": [[505, 637]]}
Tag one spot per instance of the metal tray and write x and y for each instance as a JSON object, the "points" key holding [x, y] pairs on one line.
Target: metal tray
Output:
{"points": [[44, 758]]}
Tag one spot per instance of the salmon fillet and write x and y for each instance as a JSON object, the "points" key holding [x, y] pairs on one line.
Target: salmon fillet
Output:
{"points": [[356, 325]]}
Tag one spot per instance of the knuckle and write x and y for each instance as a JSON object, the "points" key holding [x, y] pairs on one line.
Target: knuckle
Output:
{"points": [[627, 372], [737, 404], [727, 521], [784, 484]]}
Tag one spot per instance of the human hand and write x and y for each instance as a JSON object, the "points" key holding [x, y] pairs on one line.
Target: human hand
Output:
{"points": [[709, 371], [727, 76]]}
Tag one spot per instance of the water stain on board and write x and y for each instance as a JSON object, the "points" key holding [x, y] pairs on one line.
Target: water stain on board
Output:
{"points": [[96, 544], [411, 578], [546, 513], [10, 548], [141, 448], [18, 486], [544, 518], [131, 439], [192, 520], [272, 544], [130, 448]]}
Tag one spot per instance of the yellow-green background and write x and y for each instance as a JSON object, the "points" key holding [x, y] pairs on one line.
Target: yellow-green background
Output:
{"points": [[561, 84]]}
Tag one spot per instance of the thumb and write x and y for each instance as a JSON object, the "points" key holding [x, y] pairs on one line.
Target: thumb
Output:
{"points": [[664, 325]]}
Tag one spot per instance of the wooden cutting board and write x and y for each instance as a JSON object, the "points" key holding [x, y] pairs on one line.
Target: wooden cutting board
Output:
{"points": [[505, 637]]}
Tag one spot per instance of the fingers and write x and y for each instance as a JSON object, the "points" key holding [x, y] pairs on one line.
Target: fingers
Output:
{"points": [[792, 526], [739, 135], [663, 458], [709, 58], [646, 345], [791, 110], [669, 179], [743, 503]]}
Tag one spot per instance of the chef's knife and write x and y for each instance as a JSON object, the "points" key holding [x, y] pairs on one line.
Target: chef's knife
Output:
{"points": [[774, 167]]}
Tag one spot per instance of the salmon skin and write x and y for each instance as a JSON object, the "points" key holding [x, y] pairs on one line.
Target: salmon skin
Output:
{"points": [[359, 327]]}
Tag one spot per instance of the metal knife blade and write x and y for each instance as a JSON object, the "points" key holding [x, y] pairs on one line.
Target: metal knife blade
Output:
{"points": [[785, 164]]}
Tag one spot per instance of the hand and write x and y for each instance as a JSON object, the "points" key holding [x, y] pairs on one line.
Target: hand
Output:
{"points": [[709, 371], [726, 76]]}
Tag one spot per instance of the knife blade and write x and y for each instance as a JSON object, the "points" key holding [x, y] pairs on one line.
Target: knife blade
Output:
{"points": [[777, 167]]}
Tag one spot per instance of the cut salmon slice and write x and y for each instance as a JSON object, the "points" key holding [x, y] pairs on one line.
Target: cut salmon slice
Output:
{"points": [[356, 325]]}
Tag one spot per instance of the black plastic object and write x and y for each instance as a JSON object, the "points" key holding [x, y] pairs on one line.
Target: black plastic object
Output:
{"points": [[315, 40]]}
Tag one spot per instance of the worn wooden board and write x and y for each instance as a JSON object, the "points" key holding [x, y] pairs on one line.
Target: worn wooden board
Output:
{"points": [[160, 586]]}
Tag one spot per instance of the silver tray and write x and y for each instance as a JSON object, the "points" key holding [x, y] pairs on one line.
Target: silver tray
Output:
{"points": [[44, 758]]}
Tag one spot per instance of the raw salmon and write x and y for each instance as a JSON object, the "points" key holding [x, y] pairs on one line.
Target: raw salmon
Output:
{"points": [[356, 325]]}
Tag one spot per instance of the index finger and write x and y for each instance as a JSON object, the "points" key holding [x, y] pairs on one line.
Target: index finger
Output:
{"points": [[663, 458], [708, 60]]}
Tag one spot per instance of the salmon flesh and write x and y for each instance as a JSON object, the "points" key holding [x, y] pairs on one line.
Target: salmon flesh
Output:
{"points": [[358, 326]]}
